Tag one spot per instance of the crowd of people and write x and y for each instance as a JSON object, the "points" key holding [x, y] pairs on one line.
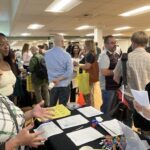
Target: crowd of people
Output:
{"points": [[60, 69]]}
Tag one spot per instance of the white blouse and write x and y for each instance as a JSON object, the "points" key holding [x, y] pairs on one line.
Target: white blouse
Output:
{"points": [[7, 81]]}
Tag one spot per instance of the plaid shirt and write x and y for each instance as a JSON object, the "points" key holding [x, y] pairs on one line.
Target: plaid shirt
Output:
{"points": [[138, 70], [7, 125]]}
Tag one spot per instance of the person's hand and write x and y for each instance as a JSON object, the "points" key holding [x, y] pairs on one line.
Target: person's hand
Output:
{"points": [[75, 64], [146, 111], [137, 106], [56, 81], [42, 113], [29, 139]]}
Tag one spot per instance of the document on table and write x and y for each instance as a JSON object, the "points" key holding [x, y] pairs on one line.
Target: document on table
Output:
{"points": [[112, 127], [141, 97], [72, 121], [89, 111], [84, 136], [49, 129], [59, 112]]}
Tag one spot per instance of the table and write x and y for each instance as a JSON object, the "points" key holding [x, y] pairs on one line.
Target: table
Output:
{"points": [[62, 142]]}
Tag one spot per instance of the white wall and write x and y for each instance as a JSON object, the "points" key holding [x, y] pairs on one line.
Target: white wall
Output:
{"points": [[124, 44]]}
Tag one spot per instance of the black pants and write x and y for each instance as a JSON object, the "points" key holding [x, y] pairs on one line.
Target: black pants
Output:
{"points": [[59, 93]]}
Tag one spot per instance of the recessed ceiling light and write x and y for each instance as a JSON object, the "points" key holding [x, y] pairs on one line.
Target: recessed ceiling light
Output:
{"points": [[117, 34], [62, 5], [25, 34], [137, 11], [90, 34], [84, 27], [63, 34], [35, 26], [147, 29], [122, 28]]}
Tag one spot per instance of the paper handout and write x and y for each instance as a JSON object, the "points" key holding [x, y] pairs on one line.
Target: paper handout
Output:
{"points": [[72, 121], [141, 97], [89, 111], [112, 127], [84, 136], [59, 112], [49, 129]]}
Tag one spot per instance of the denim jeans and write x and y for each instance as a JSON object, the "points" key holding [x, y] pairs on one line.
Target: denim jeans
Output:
{"points": [[108, 97], [59, 93]]}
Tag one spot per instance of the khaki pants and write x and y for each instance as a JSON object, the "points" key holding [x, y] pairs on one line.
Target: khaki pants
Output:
{"points": [[42, 93]]}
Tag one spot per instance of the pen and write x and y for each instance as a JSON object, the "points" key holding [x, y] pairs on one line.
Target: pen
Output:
{"points": [[79, 128]]}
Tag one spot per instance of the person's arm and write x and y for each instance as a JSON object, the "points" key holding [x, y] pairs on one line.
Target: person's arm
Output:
{"points": [[39, 112], [117, 72], [85, 66], [32, 64], [25, 138], [104, 63], [146, 111]]}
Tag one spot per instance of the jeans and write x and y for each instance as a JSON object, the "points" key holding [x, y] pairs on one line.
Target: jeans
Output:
{"points": [[108, 97], [59, 93]]}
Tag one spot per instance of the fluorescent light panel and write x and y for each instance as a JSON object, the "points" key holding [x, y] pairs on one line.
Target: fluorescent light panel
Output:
{"points": [[147, 29], [117, 34], [137, 11], [90, 34], [63, 34], [62, 5], [25, 34], [35, 26], [122, 28], [84, 27]]}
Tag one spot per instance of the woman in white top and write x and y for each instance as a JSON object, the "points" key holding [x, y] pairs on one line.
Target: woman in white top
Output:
{"points": [[11, 133], [7, 77], [26, 56]]}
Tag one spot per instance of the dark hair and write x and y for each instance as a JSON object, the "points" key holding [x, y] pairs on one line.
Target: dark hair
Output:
{"points": [[41, 46], [72, 48], [25, 48], [106, 38], [1, 34]]}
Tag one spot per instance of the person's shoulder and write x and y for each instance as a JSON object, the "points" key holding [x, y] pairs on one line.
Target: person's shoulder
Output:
{"points": [[104, 54]]}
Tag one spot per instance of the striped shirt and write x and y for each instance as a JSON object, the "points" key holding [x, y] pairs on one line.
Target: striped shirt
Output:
{"points": [[138, 70], [7, 125]]}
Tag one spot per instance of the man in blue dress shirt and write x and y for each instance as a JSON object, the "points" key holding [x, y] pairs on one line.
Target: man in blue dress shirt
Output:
{"points": [[60, 70]]}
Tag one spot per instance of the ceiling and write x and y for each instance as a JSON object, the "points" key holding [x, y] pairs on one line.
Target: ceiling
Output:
{"points": [[16, 15]]}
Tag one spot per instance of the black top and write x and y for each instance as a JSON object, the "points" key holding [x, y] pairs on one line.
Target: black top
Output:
{"points": [[89, 58]]}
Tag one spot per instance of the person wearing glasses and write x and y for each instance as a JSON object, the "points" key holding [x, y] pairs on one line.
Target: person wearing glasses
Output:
{"points": [[107, 62]]}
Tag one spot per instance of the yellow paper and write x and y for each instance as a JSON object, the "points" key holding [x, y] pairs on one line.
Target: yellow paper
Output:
{"points": [[59, 112]]}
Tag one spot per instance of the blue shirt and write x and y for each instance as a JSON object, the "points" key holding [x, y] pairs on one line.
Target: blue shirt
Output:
{"points": [[59, 64]]}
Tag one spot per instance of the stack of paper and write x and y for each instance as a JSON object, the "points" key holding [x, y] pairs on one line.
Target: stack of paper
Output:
{"points": [[59, 112], [48, 129], [141, 97], [112, 127], [89, 111], [84, 136], [72, 121]]}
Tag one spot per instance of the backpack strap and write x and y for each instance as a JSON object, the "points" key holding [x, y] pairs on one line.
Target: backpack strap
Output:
{"points": [[124, 60]]}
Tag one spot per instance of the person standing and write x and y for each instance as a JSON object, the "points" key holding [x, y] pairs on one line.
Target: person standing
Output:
{"points": [[107, 62], [40, 85], [60, 70]]}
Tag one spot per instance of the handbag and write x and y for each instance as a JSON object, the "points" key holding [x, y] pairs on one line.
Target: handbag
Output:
{"points": [[121, 109], [94, 72], [83, 82]]}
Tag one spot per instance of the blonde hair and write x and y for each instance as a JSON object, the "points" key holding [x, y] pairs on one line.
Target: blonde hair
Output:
{"points": [[140, 38], [90, 46]]}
